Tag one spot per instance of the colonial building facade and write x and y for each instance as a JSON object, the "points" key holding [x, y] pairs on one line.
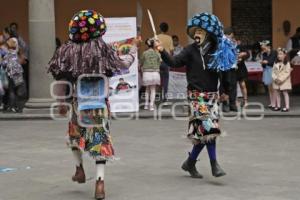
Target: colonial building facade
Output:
{"points": [[41, 21]]}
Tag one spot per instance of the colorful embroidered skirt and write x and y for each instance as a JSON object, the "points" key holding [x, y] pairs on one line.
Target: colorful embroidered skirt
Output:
{"points": [[204, 117], [89, 131]]}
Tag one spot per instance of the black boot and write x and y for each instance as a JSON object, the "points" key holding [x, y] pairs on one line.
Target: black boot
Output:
{"points": [[189, 166], [216, 169]]}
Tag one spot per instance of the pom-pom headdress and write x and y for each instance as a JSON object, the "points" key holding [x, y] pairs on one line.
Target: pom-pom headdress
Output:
{"points": [[86, 25], [85, 51]]}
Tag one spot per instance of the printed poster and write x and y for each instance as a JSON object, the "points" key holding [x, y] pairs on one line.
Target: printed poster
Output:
{"points": [[123, 93]]}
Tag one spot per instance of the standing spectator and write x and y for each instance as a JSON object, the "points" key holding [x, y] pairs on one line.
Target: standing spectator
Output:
{"points": [[167, 43], [3, 77], [6, 33], [281, 76], [242, 72], [255, 52], [293, 44], [268, 59], [177, 47], [229, 81], [150, 63], [22, 44], [23, 52], [17, 88]]}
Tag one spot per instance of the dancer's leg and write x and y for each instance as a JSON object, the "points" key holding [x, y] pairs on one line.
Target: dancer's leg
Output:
{"points": [[196, 151], [99, 187], [217, 171], [79, 174]]}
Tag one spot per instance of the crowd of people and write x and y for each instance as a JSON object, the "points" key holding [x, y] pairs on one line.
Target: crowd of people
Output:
{"points": [[13, 70], [276, 75]]}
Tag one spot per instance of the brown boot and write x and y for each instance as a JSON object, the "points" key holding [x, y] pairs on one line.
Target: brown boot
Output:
{"points": [[99, 190], [79, 175]]}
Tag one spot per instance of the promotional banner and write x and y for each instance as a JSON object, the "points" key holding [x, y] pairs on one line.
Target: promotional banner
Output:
{"points": [[123, 93], [177, 85]]}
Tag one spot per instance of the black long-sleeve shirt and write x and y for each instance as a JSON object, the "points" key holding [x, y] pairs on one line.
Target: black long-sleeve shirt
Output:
{"points": [[199, 77], [271, 58]]}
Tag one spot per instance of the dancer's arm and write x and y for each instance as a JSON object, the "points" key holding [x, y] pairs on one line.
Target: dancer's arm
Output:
{"points": [[174, 61]]}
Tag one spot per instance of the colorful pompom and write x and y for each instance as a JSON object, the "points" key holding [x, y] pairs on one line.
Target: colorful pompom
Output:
{"points": [[86, 25]]}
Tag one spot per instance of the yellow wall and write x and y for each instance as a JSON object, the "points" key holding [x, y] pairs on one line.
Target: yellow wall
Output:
{"points": [[222, 9], [176, 16], [15, 11], [284, 10], [65, 9], [172, 11]]}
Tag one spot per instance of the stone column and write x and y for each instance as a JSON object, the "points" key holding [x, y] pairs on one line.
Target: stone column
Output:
{"points": [[198, 6], [42, 46]]}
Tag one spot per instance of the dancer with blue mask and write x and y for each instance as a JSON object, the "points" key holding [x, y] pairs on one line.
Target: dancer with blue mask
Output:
{"points": [[204, 59]]}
